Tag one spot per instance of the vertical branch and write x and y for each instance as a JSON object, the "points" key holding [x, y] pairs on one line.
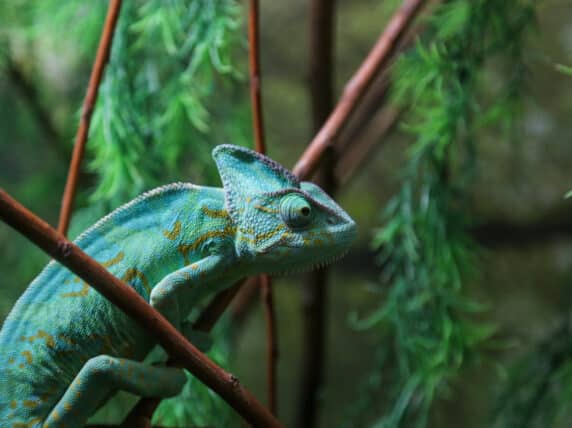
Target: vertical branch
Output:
{"points": [[88, 105], [314, 292], [260, 145], [255, 82], [271, 342]]}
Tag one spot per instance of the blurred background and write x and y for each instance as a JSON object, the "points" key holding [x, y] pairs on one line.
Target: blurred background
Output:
{"points": [[453, 306]]}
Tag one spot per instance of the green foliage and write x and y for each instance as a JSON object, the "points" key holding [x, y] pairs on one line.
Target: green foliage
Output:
{"points": [[156, 101], [162, 73], [539, 389], [425, 321]]}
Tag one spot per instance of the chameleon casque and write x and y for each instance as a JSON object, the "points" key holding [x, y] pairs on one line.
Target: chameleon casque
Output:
{"points": [[64, 349]]}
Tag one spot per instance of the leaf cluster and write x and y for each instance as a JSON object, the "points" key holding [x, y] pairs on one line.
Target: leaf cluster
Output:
{"points": [[157, 98], [425, 320], [538, 392], [166, 63]]}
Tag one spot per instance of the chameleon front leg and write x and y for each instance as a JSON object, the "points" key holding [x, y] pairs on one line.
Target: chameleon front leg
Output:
{"points": [[103, 375], [170, 293]]}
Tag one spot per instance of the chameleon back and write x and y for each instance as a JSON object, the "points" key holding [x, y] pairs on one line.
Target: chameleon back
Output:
{"points": [[60, 322]]}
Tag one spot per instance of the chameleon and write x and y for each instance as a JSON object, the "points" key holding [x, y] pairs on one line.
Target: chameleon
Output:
{"points": [[65, 350]]}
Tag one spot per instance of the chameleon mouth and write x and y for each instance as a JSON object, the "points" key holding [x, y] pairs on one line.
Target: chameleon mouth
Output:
{"points": [[311, 266]]}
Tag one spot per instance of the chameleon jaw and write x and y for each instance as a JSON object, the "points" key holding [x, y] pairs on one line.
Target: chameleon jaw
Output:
{"points": [[311, 266]]}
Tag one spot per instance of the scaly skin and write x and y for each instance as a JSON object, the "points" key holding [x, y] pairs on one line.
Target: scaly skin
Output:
{"points": [[64, 349]]}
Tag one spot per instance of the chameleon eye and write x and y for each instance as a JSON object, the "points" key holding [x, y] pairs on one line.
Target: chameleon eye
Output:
{"points": [[295, 211]]}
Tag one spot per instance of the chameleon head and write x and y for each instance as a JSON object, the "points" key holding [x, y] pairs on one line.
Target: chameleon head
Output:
{"points": [[282, 224]]}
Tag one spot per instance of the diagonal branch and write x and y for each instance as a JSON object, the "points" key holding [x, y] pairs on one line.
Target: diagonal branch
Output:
{"points": [[357, 87], [130, 302], [88, 105]]}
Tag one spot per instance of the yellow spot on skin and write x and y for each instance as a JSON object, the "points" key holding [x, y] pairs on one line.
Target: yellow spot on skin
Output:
{"points": [[249, 231], [66, 339], [11, 360], [30, 404], [266, 210], [194, 266], [269, 234], [173, 234], [83, 292], [49, 338], [30, 424], [119, 257], [13, 404], [186, 275], [28, 356], [214, 213], [185, 249], [40, 335], [67, 406], [133, 273], [85, 287]]}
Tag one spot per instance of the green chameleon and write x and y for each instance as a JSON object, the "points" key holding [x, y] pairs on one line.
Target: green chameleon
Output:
{"points": [[64, 349]]}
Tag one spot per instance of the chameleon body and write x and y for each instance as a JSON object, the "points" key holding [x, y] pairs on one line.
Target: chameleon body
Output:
{"points": [[64, 349]]}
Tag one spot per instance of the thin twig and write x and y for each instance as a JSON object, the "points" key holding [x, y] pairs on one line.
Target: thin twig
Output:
{"points": [[130, 302], [371, 137], [314, 291], [272, 352], [357, 86], [260, 145], [88, 105], [255, 77]]}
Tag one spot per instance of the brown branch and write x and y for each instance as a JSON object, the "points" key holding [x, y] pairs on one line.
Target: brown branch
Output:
{"points": [[272, 351], [357, 86], [130, 302], [142, 413], [260, 144], [314, 294], [372, 137], [88, 105], [255, 77]]}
